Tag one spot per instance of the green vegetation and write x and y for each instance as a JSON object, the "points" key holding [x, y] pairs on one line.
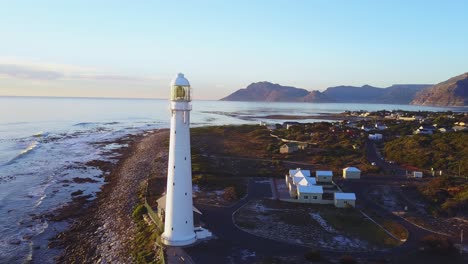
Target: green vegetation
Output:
{"points": [[437, 245], [313, 255], [448, 196], [347, 260], [145, 244], [352, 222], [442, 151], [223, 156]]}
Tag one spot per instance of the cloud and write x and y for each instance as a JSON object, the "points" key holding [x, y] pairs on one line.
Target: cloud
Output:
{"points": [[19, 69], [19, 72]]}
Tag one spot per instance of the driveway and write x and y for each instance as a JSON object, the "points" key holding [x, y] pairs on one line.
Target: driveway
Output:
{"points": [[233, 245]]}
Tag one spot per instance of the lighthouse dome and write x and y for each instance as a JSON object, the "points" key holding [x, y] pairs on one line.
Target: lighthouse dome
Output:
{"points": [[180, 80]]}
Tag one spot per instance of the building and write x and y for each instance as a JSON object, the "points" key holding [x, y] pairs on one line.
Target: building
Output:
{"points": [[417, 174], [289, 124], [445, 129], [309, 193], [298, 177], [288, 148], [380, 126], [375, 136], [351, 173], [459, 128], [178, 221], [343, 200], [324, 176]]}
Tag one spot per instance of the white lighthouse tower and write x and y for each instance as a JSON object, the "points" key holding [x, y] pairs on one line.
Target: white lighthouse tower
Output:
{"points": [[178, 225]]}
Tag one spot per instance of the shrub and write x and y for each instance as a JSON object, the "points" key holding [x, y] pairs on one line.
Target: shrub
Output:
{"points": [[230, 193], [313, 255], [437, 244], [139, 211], [347, 260]]}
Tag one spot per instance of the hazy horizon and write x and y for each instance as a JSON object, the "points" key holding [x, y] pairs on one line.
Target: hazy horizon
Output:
{"points": [[133, 50]]}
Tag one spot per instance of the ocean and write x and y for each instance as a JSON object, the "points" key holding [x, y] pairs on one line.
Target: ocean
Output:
{"points": [[45, 143]]}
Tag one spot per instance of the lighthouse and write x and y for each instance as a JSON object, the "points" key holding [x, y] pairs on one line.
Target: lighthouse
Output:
{"points": [[178, 225]]}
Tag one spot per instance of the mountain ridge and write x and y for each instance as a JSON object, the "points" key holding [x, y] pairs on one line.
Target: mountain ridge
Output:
{"points": [[270, 92], [452, 92]]}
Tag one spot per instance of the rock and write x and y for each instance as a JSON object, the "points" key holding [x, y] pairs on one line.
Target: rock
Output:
{"points": [[15, 241]]}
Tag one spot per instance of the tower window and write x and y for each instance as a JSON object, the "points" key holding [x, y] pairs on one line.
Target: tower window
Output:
{"points": [[185, 194], [173, 184], [172, 229], [186, 222], [185, 158], [174, 166]]}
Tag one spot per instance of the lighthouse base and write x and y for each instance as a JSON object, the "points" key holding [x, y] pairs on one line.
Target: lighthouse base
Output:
{"points": [[178, 242]]}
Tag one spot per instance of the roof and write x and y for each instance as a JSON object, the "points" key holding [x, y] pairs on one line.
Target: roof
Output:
{"points": [[289, 144], [307, 181], [309, 189], [299, 172], [345, 196], [352, 169], [180, 80], [324, 173], [297, 179]]}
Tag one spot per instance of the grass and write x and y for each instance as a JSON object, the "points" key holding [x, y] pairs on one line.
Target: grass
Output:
{"points": [[352, 222], [144, 244], [393, 227]]}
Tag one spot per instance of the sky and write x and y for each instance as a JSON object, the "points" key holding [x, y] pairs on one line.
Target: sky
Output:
{"points": [[134, 48]]}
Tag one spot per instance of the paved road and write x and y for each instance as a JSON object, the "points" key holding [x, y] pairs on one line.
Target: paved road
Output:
{"points": [[233, 245]]}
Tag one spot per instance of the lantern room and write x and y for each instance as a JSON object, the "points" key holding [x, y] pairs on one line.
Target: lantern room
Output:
{"points": [[180, 89]]}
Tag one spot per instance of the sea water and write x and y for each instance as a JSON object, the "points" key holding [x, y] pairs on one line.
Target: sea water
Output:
{"points": [[46, 142]]}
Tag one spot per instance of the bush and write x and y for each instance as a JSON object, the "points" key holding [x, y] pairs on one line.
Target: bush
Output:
{"points": [[230, 193], [347, 260], [139, 211], [313, 255], [437, 244]]}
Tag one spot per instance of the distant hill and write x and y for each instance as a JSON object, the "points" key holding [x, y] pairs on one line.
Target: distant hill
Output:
{"points": [[395, 94], [269, 92], [453, 92]]}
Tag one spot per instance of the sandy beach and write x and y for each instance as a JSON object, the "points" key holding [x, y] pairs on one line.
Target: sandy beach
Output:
{"points": [[103, 231]]}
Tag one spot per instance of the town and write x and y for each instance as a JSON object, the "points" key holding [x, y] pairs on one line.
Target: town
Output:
{"points": [[340, 191]]}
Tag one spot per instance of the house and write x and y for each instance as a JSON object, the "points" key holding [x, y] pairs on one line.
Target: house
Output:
{"points": [[351, 173], [375, 136], [459, 128], [310, 194], [343, 200], [299, 172], [297, 177], [289, 124], [420, 131], [445, 129], [428, 127], [323, 176], [307, 181], [380, 126], [288, 148]]}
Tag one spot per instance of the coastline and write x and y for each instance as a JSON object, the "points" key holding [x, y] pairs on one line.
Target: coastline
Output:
{"points": [[103, 229]]}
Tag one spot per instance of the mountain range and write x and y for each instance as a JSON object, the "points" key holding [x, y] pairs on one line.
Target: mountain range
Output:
{"points": [[453, 92]]}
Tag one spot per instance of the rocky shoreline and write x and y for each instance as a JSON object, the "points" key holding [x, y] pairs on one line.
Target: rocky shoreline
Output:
{"points": [[103, 229]]}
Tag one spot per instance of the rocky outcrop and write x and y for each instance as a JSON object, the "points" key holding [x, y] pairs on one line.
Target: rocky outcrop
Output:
{"points": [[453, 92]]}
